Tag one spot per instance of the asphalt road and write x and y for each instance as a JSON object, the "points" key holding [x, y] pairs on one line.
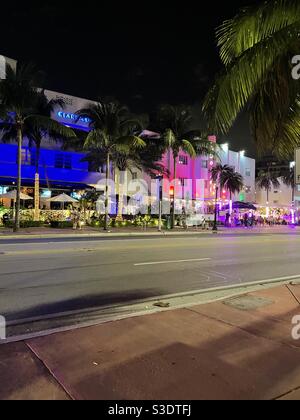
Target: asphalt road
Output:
{"points": [[39, 277]]}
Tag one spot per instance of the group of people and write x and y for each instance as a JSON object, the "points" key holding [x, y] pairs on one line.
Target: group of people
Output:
{"points": [[249, 220], [245, 220]]}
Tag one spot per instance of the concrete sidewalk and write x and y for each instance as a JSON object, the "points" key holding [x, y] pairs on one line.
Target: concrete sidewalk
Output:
{"points": [[241, 348], [48, 233]]}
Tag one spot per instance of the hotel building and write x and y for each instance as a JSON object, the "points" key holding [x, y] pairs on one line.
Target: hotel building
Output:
{"points": [[67, 171]]}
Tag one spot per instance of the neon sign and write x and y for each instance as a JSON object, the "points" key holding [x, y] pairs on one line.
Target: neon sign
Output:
{"points": [[73, 117]]}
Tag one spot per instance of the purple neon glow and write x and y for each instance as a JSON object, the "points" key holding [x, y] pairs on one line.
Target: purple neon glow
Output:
{"points": [[293, 216]]}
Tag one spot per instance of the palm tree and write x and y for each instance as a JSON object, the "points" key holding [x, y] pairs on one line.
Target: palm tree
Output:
{"points": [[175, 122], [38, 129], [233, 182], [288, 178], [112, 130], [144, 159], [266, 180], [256, 48], [19, 99], [224, 177]]}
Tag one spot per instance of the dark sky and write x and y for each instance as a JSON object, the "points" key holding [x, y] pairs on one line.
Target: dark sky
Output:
{"points": [[143, 53]]}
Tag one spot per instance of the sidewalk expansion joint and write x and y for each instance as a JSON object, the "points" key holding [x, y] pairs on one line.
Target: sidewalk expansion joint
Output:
{"points": [[49, 371], [293, 294], [244, 329], [286, 394]]}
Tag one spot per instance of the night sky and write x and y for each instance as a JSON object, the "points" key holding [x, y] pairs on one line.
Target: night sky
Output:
{"points": [[143, 53]]}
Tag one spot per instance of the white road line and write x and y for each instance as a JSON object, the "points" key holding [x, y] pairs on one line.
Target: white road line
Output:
{"points": [[171, 262]]}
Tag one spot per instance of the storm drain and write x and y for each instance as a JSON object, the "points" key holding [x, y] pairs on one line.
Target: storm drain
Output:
{"points": [[248, 303]]}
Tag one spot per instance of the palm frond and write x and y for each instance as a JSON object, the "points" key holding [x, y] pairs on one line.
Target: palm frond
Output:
{"points": [[189, 148], [169, 138], [96, 139], [254, 25], [43, 123], [133, 142], [256, 47]]}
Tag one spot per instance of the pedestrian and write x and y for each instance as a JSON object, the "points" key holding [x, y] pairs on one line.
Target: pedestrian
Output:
{"points": [[227, 220], [246, 220], [184, 219]]}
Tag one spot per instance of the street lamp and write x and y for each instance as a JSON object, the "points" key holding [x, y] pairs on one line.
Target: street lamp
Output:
{"points": [[160, 178], [293, 168], [215, 225], [172, 198]]}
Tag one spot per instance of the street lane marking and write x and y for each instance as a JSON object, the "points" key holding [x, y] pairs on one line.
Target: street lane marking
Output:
{"points": [[172, 262]]}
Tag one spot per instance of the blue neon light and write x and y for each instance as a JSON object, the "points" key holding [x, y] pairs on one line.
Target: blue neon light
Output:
{"points": [[73, 117]]}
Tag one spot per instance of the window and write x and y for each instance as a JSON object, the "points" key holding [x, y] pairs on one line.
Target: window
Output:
{"points": [[63, 161], [59, 161], [182, 182], [26, 157], [275, 202], [183, 160], [134, 176], [204, 164], [275, 192], [68, 162], [248, 172]]}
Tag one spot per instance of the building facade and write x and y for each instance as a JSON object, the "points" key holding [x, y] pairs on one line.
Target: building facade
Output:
{"points": [[68, 172]]}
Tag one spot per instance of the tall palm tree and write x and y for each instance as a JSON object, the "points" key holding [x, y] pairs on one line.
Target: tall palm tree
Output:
{"points": [[175, 124], [288, 178], [144, 159], [266, 180], [256, 48], [233, 182], [112, 130], [38, 129], [224, 177], [19, 99]]}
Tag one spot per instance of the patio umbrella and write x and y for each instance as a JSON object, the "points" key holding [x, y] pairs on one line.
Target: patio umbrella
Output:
{"points": [[12, 195], [64, 199]]}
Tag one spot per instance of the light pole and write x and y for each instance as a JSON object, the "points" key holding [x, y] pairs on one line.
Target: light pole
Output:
{"points": [[160, 193], [215, 225], [293, 168], [172, 198], [225, 148]]}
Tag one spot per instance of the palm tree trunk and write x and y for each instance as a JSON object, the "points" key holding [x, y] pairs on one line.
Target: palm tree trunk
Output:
{"points": [[120, 198], [230, 209], [37, 186], [173, 204], [19, 180], [106, 222], [215, 227]]}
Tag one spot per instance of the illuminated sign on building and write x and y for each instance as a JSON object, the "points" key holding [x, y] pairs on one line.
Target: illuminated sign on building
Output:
{"points": [[73, 117]]}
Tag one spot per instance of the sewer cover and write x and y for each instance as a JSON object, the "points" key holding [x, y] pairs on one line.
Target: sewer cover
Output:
{"points": [[248, 303]]}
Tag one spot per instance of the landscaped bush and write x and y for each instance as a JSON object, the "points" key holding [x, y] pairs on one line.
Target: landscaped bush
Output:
{"points": [[24, 224], [127, 222], [56, 224]]}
